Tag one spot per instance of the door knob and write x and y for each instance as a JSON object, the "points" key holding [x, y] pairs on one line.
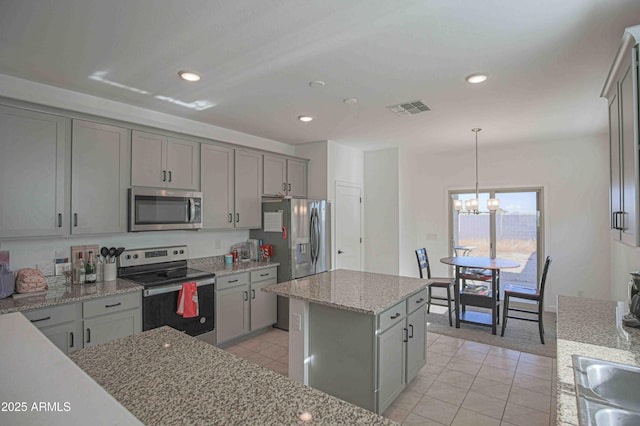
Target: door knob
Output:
{"points": [[340, 252]]}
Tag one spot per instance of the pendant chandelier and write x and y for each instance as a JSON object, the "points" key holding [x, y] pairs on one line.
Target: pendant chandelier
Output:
{"points": [[473, 205]]}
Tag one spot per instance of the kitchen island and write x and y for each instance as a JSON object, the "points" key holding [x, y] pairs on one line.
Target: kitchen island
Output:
{"points": [[356, 335], [163, 376], [591, 328]]}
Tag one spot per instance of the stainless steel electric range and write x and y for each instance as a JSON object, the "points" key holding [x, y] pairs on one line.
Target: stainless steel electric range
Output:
{"points": [[162, 271]]}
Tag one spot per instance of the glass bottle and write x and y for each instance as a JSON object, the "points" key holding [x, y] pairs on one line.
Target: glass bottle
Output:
{"points": [[79, 274], [90, 269]]}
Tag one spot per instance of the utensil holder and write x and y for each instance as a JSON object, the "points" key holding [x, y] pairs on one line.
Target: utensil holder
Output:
{"points": [[110, 272]]}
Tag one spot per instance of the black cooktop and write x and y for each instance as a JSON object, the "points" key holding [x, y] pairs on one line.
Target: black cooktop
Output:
{"points": [[169, 276]]}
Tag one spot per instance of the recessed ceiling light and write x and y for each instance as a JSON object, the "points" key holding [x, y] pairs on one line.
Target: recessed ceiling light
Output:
{"points": [[305, 118], [189, 75], [317, 84], [350, 101], [476, 78]]}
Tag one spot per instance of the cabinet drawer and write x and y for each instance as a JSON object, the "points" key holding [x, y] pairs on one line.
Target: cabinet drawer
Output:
{"points": [[417, 300], [229, 281], [52, 316], [392, 315], [108, 305], [263, 274]]}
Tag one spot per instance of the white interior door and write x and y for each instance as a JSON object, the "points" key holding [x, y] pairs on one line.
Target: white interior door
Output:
{"points": [[348, 227]]}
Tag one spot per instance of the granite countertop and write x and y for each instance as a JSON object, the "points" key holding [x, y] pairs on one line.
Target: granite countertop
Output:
{"points": [[216, 264], [34, 371], [364, 292], [589, 327], [163, 376], [59, 293]]}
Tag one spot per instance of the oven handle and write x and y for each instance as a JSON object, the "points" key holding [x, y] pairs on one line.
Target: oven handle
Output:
{"points": [[168, 289]]}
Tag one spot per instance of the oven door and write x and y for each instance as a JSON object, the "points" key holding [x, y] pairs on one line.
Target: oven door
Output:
{"points": [[159, 306], [162, 209]]}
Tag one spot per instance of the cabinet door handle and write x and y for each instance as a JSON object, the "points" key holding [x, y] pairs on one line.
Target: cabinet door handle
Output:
{"points": [[284, 186], [230, 217], [420, 300], [71, 335], [233, 281], [411, 326], [88, 335], [264, 275], [289, 187], [41, 319], [59, 220], [246, 296], [169, 175], [395, 316], [237, 217], [406, 335], [164, 175], [75, 219], [114, 305], [253, 294]]}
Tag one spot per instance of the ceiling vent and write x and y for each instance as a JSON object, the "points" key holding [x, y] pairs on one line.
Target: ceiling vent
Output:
{"points": [[413, 107]]}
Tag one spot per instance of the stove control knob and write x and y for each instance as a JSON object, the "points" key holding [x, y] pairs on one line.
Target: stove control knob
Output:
{"points": [[135, 256], [128, 256], [181, 251], [175, 252]]}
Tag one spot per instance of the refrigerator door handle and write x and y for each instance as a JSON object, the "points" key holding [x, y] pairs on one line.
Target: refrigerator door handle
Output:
{"points": [[311, 234], [317, 234]]}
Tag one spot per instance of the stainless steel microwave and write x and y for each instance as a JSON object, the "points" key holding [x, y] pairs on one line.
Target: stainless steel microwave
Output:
{"points": [[164, 209]]}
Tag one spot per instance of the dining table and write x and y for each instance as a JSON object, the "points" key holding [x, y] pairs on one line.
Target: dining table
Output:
{"points": [[479, 296]]}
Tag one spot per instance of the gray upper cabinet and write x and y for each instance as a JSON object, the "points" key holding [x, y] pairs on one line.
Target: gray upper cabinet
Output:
{"points": [[216, 184], [248, 189], [621, 90], [284, 176], [100, 178], [164, 162], [33, 176], [275, 175], [297, 178]]}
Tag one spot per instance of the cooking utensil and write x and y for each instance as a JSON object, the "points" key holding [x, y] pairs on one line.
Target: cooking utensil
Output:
{"points": [[112, 253], [104, 252], [119, 251]]}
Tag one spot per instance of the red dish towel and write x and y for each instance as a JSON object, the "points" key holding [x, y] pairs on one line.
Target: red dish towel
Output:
{"points": [[188, 300]]}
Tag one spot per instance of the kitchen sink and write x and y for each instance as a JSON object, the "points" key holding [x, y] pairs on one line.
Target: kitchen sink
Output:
{"points": [[608, 393]]}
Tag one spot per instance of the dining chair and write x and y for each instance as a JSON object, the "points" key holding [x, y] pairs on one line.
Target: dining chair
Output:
{"points": [[534, 294], [445, 283]]}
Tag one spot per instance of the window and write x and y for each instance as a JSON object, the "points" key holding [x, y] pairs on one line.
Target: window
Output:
{"points": [[514, 232]]}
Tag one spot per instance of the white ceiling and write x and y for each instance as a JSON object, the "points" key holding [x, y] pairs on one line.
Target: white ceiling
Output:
{"points": [[547, 61]]}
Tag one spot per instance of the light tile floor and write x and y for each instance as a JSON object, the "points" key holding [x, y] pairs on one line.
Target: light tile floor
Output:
{"points": [[463, 382]]}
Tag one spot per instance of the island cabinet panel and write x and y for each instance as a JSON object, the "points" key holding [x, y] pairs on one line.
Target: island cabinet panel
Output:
{"points": [[342, 348], [363, 358], [391, 364]]}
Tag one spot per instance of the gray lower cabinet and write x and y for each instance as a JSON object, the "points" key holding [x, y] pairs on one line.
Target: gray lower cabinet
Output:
{"points": [[61, 324], [73, 326], [110, 318], [365, 359], [241, 305]]}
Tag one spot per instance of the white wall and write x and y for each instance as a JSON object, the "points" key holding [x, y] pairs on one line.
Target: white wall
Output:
{"points": [[41, 252], [575, 178], [381, 205]]}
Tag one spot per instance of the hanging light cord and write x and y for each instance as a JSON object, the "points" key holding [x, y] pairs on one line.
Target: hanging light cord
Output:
{"points": [[476, 130]]}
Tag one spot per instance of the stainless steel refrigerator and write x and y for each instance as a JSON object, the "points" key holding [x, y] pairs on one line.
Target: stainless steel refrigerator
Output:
{"points": [[300, 233]]}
